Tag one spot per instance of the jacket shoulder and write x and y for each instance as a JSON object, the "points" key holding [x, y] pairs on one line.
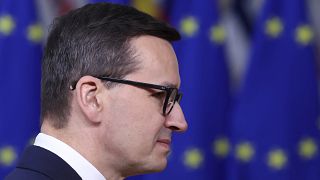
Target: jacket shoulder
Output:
{"points": [[38, 163], [27, 174]]}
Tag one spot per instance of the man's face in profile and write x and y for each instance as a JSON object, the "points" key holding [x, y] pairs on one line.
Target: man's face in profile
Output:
{"points": [[139, 135]]}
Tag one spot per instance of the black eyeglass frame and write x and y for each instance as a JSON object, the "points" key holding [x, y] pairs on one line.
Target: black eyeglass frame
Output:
{"points": [[168, 90]]}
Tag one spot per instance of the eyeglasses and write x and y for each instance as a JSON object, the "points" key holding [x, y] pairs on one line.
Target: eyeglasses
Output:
{"points": [[172, 94]]}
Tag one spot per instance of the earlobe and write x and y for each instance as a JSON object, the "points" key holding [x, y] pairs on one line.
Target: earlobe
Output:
{"points": [[88, 93]]}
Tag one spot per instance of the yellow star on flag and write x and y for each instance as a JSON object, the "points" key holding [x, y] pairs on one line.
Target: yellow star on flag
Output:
{"points": [[217, 34], [274, 27], [221, 147], [189, 26], [304, 34], [148, 6], [244, 151], [7, 155], [277, 159], [307, 148], [7, 24], [35, 33], [193, 158]]}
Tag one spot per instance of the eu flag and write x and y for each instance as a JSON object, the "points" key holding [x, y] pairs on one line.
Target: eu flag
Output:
{"points": [[200, 152], [111, 1], [20, 54], [275, 130]]}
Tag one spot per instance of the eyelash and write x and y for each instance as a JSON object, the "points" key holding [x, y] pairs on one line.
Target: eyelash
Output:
{"points": [[159, 94]]}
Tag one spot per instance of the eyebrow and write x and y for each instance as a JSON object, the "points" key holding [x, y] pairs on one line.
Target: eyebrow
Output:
{"points": [[169, 84]]}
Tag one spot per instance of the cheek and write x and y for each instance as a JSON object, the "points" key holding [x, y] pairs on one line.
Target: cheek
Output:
{"points": [[132, 131], [133, 124]]}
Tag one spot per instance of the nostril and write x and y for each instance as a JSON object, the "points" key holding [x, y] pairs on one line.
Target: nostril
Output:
{"points": [[174, 128]]}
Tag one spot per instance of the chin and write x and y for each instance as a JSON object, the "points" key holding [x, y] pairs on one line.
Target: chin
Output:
{"points": [[147, 168], [157, 168]]}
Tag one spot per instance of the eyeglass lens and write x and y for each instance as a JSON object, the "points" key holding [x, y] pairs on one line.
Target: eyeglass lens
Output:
{"points": [[171, 101]]}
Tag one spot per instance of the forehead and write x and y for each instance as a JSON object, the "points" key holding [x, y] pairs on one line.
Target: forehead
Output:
{"points": [[158, 62]]}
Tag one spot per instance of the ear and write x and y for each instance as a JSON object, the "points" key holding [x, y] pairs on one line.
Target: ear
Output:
{"points": [[89, 97]]}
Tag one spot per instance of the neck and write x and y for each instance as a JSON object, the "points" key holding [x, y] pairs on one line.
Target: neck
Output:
{"points": [[85, 141]]}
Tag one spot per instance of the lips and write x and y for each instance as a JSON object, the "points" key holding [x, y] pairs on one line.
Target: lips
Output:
{"points": [[164, 142]]}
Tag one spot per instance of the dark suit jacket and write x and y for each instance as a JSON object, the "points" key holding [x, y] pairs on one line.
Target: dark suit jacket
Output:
{"points": [[40, 164]]}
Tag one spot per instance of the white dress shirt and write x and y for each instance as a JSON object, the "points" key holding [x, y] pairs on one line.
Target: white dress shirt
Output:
{"points": [[82, 166]]}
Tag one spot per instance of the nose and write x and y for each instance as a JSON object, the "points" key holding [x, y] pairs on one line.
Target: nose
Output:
{"points": [[176, 120]]}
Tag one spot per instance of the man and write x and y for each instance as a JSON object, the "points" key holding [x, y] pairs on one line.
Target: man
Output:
{"points": [[109, 97]]}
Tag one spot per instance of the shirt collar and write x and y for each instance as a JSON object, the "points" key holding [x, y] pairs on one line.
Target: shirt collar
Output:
{"points": [[82, 166]]}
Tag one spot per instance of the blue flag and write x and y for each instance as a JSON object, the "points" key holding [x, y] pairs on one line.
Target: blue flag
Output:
{"points": [[111, 1], [200, 152], [275, 130], [20, 55]]}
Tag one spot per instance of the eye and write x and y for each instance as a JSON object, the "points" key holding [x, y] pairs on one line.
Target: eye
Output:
{"points": [[159, 97], [160, 94]]}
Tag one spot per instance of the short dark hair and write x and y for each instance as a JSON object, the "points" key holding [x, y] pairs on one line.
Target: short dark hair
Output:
{"points": [[92, 40]]}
